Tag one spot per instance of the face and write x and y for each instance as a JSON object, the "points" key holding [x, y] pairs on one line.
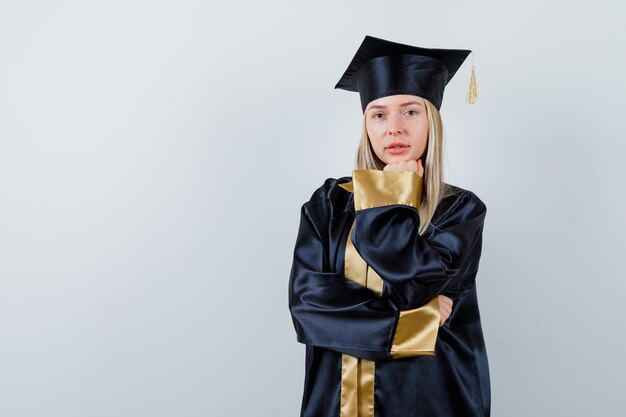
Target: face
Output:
{"points": [[397, 127]]}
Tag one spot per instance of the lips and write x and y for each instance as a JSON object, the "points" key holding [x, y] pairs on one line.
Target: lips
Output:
{"points": [[397, 144], [396, 148]]}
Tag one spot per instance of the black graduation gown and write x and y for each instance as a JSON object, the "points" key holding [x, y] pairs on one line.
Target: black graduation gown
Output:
{"points": [[340, 320]]}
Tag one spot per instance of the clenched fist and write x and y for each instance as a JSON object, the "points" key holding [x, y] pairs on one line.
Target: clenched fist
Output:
{"points": [[410, 165]]}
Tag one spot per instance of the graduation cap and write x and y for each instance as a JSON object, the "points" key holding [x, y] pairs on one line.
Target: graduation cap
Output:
{"points": [[383, 68]]}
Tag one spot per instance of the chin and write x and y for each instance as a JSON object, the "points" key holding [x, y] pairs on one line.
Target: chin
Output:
{"points": [[388, 158]]}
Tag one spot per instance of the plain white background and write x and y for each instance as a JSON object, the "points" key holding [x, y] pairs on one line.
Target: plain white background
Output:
{"points": [[154, 157]]}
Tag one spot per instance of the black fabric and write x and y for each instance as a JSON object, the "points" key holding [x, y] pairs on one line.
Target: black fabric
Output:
{"points": [[333, 315], [382, 68]]}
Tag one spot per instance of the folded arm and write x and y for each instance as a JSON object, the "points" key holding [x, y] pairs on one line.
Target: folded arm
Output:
{"points": [[333, 312], [415, 268]]}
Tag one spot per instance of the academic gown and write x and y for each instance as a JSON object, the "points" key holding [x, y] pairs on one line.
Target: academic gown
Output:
{"points": [[363, 299]]}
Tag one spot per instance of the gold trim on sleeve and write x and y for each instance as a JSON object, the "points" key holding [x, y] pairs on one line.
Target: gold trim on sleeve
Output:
{"points": [[376, 188], [416, 332]]}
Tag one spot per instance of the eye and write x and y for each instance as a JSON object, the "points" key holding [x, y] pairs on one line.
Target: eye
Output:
{"points": [[375, 115], [412, 112]]}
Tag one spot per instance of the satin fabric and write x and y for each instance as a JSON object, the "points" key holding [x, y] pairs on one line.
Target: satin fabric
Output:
{"points": [[402, 74], [416, 330], [383, 68], [333, 315]]}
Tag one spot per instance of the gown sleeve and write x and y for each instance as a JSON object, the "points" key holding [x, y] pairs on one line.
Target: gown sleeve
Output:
{"points": [[415, 268], [333, 312]]}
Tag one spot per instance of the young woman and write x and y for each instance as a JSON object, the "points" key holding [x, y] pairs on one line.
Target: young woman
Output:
{"points": [[382, 288]]}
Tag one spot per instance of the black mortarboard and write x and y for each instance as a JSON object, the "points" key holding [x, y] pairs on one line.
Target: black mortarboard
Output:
{"points": [[383, 68]]}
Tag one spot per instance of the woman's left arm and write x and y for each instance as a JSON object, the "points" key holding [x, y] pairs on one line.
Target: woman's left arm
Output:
{"points": [[415, 268]]}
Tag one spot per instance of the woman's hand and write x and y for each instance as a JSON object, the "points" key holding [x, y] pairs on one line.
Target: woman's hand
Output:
{"points": [[445, 308], [410, 165]]}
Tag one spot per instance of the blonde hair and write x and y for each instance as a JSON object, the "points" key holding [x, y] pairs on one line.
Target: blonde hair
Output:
{"points": [[433, 186]]}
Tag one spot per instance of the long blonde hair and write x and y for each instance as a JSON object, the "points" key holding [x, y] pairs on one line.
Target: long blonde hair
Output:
{"points": [[433, 186]]}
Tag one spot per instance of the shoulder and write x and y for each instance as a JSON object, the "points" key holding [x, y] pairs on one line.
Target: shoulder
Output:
{"points": [[329, 199], [458, 205], [462, 196], [327, 190]]}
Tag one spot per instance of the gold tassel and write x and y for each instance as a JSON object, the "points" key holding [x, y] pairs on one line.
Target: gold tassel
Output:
{"points": [[472, 94]]}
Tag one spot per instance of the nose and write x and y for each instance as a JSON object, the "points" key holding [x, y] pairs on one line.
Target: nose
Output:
{"points": [[395, 125]]}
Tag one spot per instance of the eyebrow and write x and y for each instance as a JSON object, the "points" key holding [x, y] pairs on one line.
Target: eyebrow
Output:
{"points": [[408, 103]]}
